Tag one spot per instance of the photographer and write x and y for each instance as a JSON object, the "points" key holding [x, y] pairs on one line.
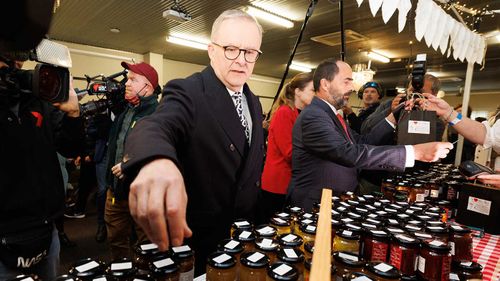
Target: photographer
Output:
{"points": [[31, 190]]}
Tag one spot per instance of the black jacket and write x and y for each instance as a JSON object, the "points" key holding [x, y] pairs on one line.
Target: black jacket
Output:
{"points": [[355, 122], [31, 185]]}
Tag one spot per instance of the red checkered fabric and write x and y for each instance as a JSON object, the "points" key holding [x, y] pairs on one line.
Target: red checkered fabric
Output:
{"points": [[486, 252]]}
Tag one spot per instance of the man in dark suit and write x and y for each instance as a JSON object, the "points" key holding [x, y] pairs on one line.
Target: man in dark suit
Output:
{"points": [[205, 143], [327, 153]]}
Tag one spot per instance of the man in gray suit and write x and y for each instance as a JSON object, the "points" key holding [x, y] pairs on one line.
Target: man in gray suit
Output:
{"points": [[327, 153]]}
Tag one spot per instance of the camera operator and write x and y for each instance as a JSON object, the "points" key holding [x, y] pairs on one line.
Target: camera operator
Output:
{"points": [[141, 93], [31, 190], [370, 94]]}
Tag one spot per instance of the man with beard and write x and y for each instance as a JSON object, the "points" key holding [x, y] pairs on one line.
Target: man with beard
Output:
{"points": [[327, 153]]}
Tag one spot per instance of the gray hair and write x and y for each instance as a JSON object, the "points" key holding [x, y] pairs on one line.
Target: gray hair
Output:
{"points": [[232, 14], [436, 83]]}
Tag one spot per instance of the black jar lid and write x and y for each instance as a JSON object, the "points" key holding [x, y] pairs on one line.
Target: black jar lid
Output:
{"points": [[384, 270], [310, 216], [162, 265], [357, 276], [87, 268], [347, 234], [353, 202], [294, 210], [309, 246], [354, 216], [367, 226], [468, 266], [348, 259], [143, 277], [377, 194], [280, 221], [370, 208], [283, 215], [361, 210], [415, 222], [336, 223], [230, 246], [101, 277], [221, 260], [266, 244], [406, 240], [434, 216], [308, 228], [383, 213], [435, 223], [403, 217], [412, 228], [242, 224], [290, 255], [389, 180], [459, 229], [422, 235], [184, 251], [147, 249], [254, 259], [437, 245], [436, 229], [394, 230], [353, 226], [283, 271], [121, 268], [346, 220], [265, 230], [290, 240], [378, 233], [22, 277], [409, 278], [243, 235], [392, 222], [373, 221], [64, 277]]}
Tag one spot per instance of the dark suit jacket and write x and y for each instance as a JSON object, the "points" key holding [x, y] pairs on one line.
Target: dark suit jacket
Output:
{"points": [[323, 156], [196, 126]]}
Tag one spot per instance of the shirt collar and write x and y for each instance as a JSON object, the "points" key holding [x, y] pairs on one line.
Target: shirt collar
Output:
{"points": [[331, 106], [231, 92]]}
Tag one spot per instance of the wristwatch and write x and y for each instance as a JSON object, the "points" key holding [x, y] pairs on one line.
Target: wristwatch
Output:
{"points": [[456, 120]]}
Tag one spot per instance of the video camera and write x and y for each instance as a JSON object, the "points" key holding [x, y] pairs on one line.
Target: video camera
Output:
{"points": [[48, 81], [110, 91]]}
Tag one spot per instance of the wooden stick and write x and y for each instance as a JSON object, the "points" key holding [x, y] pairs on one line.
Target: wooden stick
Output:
{"points": [[321, 262]]}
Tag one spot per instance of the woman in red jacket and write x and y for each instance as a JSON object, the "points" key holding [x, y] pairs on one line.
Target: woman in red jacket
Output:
{"points": [[298, 93]]}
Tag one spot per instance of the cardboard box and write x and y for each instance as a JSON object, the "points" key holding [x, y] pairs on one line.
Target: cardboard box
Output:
{"points": [[479, 206]]}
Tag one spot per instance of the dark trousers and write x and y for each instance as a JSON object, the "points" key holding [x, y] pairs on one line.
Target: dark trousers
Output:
{"points": [[269, 204], [86, 183]]}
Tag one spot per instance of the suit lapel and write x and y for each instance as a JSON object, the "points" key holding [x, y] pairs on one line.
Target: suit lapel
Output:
{"points": [[322, 104], [222, 107]]}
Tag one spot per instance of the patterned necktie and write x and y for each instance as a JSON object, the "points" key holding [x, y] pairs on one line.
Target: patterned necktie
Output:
{"points": [[341, 119], [238, 97]]}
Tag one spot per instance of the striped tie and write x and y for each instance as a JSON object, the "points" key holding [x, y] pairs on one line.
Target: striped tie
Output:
{"points": [[238, 97]]}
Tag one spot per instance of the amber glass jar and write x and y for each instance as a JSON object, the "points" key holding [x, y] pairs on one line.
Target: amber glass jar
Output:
{"points": [[64, 277], [346, 241], [282, 271], [294, 257], [143, 277], [233, 247], [281, 225], [388, 187], [433, 188], [87, 269], [422, 236], [375, 245], [307, 232], [346, 195], [354, 216], [434, 261], [460, 243], [184, 256], [253, 266], [403, 253], [358, 276], [295, 211], [221, 267], [266, 231], [411, 228], [122, 269], [347, 263], [438, 232], [394, 230], [308, 249], [382, 271], [164, 268], [290, 240], [417, 193], [144, 252], [241, 224], [467, 270], [246, 238], [268, 247], [403, 186], [301, 222]]}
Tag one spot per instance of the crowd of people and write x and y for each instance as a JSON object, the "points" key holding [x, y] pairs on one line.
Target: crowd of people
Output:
{"points": [[182, 170]]}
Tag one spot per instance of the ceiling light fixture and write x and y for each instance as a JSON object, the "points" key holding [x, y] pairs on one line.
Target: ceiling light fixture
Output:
{"points": [[188, 41], [378, 57], [258, 13], [301, 67]]}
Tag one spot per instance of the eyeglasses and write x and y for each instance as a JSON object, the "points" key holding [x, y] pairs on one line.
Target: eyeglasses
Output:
{"points": [[232, 53]]}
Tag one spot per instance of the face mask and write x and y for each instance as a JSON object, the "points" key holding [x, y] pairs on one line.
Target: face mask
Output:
{"points": [[135, 99]]}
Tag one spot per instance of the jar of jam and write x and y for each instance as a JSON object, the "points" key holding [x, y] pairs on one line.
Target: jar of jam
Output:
{"points": [[387, 184], [346, 195], [354, 216], [31, 277], [403, 186], [417, 193], [282, 271], [233, 247], [411, 228], [307, 269], [393, 223], [401, 196], [281, 225], [316, 207], [290, 240], [294, 257], [246, 238], [308, 249], [367, 226], [346, 241], [460, 243], [268, 247], [307, 232], [143, 277], [302, 222], [164, 268], [433, 188], [438, 232], [184, 256], [266, 231], [394, 230], [311, 216], [416, 223], [144, 252], [358, 276], [404, 252], [253, 266], [87, 269], [241, 224], [382, 271], [295, 211], [121, 269], [434, 261], [422, 236], [447, 207], [467, 270], [221, 267], [64, 277], [376, 245], [347, 263]]}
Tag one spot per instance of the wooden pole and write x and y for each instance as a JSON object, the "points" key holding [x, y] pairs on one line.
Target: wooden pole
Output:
{"points": [[322, 256]]}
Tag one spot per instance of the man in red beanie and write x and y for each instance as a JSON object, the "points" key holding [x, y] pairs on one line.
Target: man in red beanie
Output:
{"points": [[141, 93]]}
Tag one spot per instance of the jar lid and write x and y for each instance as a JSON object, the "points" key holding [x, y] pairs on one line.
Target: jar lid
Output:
{"points": [[416, 222], [23, 277], [468, 266], [309, 246], [412, 228], [336, 223], [436, 229], [436, 210], [384, 270], [437, 245], [354, 216], [406, 240], [147, 249], [265, 230], [289, 239], [242, 224], [353, 202], [221, 260], [283, 215], [353, 226], [121, 268], [378, 233], [367, 226], [308, 228], [348, 259], [283, 271], [404, 217], [347, 234], [295, 210], [361, 210], [266, 244], [310, 216], [101, 277], [243, 235], [377, 194], [162, 265], [230, 246], [290, 255], [87, 268], [143, 277], [64, 277], [392, 222], [389, 180], [394, 230], [373, 221], [422, 235], [459, 229], [357, 276], [184, 251], [409, 278], [254, 259], [279, 221]]}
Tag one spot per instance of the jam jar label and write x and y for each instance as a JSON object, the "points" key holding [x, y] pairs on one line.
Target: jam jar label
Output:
{"points": [[396, 255], [282, 269], [231, 244], [421, 264], [445, 270], [88, 266], [379, 251]]}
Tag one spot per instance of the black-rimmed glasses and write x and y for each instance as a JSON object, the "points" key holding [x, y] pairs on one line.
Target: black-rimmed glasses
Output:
{"points": [[232, 53]]}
